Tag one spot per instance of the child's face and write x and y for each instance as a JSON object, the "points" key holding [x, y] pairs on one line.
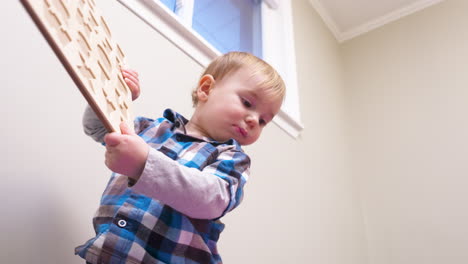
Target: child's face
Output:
{"points": [[236, 107]]}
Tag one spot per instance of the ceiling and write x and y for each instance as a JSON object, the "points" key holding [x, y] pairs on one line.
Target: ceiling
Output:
{"points": [[350, 18]]}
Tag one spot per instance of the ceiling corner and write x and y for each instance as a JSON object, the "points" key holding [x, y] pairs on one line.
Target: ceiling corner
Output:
{"points": [[327, 19]]}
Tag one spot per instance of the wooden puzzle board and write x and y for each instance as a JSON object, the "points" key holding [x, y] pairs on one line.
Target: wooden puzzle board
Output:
{"points": [[81, 39]]}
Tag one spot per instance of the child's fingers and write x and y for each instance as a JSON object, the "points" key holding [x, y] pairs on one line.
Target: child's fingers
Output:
{"points": [[132, 72], [112, 139], [126, 130], [134, 87], [131, 83], [132, 77]]}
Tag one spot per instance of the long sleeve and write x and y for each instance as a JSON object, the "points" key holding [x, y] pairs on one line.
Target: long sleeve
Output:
{"points": [[93, 126], [205, 194], [202, 193]]}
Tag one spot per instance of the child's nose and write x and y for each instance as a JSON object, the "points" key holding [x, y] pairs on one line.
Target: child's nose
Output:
{"points": [[251, 120]]}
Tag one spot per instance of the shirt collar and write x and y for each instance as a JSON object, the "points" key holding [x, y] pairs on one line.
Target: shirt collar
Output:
{"points": [[178, 125], [177, 119]]}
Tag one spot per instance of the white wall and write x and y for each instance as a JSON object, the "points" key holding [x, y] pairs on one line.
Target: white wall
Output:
{"points": [[300, 206], [407, 87]]}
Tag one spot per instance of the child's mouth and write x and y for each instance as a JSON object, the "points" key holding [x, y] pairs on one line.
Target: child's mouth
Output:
{"points": [[241, 131]]}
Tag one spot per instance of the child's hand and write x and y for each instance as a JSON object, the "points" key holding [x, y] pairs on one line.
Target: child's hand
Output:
{"points": [[131, 79], [126, 153]]}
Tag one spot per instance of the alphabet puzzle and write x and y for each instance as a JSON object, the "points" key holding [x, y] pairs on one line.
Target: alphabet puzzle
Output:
{"points": [[82, 40]]}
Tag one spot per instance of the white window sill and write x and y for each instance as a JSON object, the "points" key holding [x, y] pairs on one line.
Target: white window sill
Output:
{"points": [[161, 19]]}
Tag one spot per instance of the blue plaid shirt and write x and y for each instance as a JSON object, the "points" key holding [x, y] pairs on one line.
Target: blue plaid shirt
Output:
{"points": [[166, 216]]}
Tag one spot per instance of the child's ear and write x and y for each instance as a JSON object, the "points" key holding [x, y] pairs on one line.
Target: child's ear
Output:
{"points": [[205, 85]]}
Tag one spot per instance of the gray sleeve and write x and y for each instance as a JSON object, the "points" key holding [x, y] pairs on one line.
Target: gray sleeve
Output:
{"points": [[93, 126], [194, 193]]}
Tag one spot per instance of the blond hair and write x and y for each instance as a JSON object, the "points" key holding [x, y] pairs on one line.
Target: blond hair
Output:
{"points": [[233, 61]]}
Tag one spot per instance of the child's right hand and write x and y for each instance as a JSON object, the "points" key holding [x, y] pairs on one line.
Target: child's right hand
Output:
{"points": [[131, 79], [126, 153]]}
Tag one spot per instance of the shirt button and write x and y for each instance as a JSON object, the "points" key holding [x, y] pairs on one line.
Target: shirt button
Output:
{"points": [[122, 223]]}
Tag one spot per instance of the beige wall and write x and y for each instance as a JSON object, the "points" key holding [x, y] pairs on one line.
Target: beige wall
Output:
{"points": [[384, 125], [407, 86], [52, 174], [301, 205]]}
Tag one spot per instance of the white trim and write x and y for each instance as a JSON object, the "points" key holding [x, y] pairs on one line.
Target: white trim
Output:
{"points": [[327, 19], [288, 124], [273, 4], [160, 18], [277, 28], [342, 36], [393, 16], [184, 10], [164, 21]]}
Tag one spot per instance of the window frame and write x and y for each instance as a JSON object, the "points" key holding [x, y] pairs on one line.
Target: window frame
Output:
{"points": [[277, 28]]}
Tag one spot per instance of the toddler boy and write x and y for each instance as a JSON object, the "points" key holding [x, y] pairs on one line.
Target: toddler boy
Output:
{"points": [[175, 178]]}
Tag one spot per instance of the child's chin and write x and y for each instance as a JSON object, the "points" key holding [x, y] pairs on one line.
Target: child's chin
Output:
{"points": [[244, 142]]}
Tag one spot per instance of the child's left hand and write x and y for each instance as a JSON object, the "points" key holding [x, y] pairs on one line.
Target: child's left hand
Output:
{"points": [[131, 79], [126, 153]]}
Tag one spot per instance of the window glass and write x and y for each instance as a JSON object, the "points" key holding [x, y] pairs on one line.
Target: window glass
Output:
{"points": [[228, 25], [171, 4]]}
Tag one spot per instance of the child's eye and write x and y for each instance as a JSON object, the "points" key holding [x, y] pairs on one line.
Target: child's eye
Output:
{"points": [[246, 103], [262, 122]]}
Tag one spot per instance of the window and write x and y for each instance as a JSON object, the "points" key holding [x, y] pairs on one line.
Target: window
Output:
{"points": [[171, 4], [189, 26], [238, 28]]}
